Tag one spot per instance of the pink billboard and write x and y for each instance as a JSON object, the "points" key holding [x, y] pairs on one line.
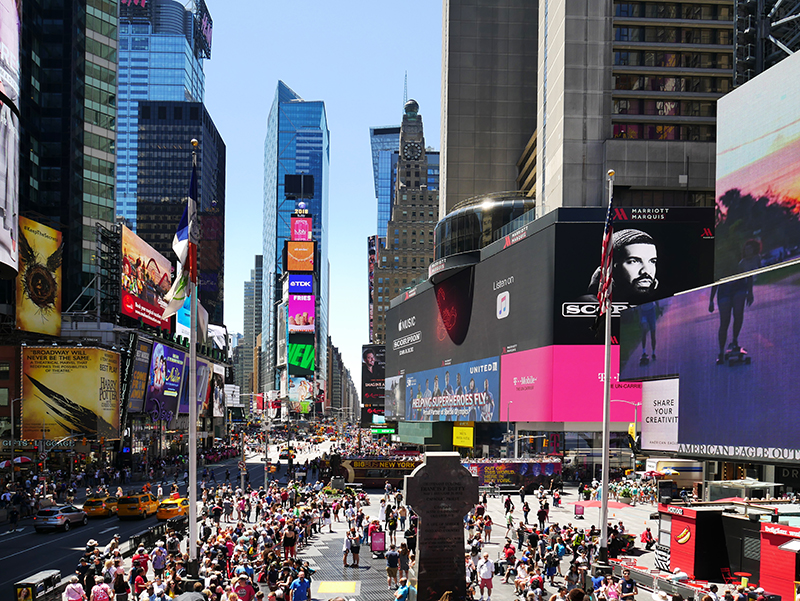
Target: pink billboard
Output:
{"points": [[301, 228], [563, 384], [301, 313]]}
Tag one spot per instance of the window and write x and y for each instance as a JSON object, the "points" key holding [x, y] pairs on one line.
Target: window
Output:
{"points": [[5, 370], [4, 397]]}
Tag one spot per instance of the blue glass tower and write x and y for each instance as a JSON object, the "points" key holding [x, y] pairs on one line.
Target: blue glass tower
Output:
{"points": [[384, 141], [159, 59], [297, 142]]}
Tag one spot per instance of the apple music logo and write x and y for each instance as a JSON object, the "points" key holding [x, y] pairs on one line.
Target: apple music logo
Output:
{"points": [[502, 305]]}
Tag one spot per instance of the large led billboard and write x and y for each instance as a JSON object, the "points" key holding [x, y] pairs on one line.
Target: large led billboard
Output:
{"points": [[758, 171], [373, 370], [39, 285], [140, 371], [280, 353], [301, 228], [301, 395], [301, 284], [217, 393], [68, 391], [301, 355], [203, 373], [463, 392], [299, 256], [301, 313], [167, 370], [145, 280], [9, 137], [732, 349], [372, 262]]}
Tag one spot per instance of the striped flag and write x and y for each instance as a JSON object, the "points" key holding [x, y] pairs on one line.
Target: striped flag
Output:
{"points": [[185, 246], [606, 261]]}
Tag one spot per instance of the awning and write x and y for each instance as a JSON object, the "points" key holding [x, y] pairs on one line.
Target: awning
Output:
{"points": [[793, 546]]}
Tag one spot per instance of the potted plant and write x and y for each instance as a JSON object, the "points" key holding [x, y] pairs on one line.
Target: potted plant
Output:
{"points": [[625, 494]]}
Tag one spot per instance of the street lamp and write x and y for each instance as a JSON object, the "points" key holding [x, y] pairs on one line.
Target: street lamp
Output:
{"points": [[636, 405], [12, 435], [509, 438]]}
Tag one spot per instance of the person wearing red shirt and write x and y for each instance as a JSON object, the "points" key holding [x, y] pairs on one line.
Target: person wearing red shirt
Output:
{"points": [[243, 589], [139, 584], [142, 558]]}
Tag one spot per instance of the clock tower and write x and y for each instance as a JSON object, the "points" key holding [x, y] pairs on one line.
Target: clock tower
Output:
{"points": [[403, 257]]}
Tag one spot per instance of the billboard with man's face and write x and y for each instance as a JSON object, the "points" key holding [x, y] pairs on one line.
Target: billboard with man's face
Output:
{"points": [[758, 171], [373, 369]]}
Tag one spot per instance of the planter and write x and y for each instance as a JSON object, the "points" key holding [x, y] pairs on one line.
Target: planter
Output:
{"points": [[626, 500]]}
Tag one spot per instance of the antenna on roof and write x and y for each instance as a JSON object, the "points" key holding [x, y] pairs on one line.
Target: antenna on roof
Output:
{"points": [[405, 90]]}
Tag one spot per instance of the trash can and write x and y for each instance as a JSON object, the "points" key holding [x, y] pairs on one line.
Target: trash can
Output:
{"points": [[337, 483], [42, 586]]}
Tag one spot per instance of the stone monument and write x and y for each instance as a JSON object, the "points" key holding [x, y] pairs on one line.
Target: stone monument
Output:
{"points": [[441, 492]]}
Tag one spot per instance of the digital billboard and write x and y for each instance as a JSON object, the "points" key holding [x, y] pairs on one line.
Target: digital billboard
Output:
{"points": [[299, 256], [563, 384], [167, 369], [732, 349], [183, 318], [301, 284], [203, 374], [280, 354], [301, 395], [373, 370], [146, 278], [301, 313], [203, 29], [9, 137], [301, 228], [758, 171], [70, 391], [139, 375], [462, 392], [372, 262], [658, 251], [300, 355], [217, 393], [39, 286]]}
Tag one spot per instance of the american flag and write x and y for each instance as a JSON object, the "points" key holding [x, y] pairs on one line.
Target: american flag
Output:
{"points": [[606, 261]]}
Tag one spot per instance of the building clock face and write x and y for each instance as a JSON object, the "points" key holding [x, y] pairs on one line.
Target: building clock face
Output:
{"points": [[412, 151]]}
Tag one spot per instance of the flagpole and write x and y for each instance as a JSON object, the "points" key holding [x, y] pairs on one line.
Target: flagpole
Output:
{"points": [[603, 551], [192, 493]]}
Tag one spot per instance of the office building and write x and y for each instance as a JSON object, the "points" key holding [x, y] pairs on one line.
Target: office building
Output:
{"points": [[297, 142], [384, 143], [166, 130], [403, 261], [160, 58], [248, 379], [630, 86], [68, 64], [489, 77]]}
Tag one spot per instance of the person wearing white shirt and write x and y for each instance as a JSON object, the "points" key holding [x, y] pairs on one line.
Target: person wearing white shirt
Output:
{"points": [[485, 573]]}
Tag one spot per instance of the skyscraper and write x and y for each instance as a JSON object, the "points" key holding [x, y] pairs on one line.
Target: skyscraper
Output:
{"points": [[297, 142], [248, 380], [165, 132], [384, 142], [68, 127], [160, 58], [403, 260], [488, 94]]}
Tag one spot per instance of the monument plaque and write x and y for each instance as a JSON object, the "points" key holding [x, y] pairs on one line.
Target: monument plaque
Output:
{"points": [[441, 492]]}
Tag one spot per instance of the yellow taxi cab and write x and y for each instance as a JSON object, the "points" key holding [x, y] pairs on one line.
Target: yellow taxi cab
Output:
{"points": [[100, 507], [170, 508], [137, 505]]}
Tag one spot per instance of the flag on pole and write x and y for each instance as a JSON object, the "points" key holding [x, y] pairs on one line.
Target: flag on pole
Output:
{"points": [[185, 246], [606, 261]]}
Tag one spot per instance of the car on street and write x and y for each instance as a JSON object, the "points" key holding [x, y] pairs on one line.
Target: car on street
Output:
{"points": [[170, 508], [59, 517], [100, 507], [140, 504]]}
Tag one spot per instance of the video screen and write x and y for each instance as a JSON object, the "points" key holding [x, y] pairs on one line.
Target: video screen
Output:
{"points": [[299, 256], [301, 229], [373, 370], [301, 313], [146, 278]]}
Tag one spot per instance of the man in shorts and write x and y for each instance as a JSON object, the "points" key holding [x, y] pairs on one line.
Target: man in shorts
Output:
{"points": [[485, 573], [392, 563]]}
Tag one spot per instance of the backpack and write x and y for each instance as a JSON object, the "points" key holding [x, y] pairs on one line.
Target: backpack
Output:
{"points": [[100, 593]]}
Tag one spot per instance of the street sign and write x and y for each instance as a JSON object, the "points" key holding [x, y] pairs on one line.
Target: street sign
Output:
{"points": [[384, 431], [242, 465], [42, 455]]}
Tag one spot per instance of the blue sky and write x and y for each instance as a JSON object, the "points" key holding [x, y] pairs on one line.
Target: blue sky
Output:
{"points": [[352, 55]]}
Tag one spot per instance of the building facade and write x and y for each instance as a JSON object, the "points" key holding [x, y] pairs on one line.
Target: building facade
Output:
{"points": [[165, 132], [489, 55], [384, 142], [297, 142], [68, 133], [159, 59], [403, 261], [248, 382]]}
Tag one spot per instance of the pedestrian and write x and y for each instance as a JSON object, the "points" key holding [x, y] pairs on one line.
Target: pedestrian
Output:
{"points": [[355, 547], [346, 546], [627, 588], [74, 590], [13, 518], [522, 494], [392, 564], [541, 515], [298, 590], [101, 591], [485, 573], [526, 509], [402, 592]]}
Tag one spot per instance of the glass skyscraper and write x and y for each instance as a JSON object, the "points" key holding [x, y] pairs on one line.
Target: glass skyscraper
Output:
{"points": [[384, 142], [297, 142], [159, 59]]}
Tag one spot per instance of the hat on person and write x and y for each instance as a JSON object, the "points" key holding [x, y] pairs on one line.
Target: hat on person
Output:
{"points": [[660, 596], [759, 590], [92, 543]]}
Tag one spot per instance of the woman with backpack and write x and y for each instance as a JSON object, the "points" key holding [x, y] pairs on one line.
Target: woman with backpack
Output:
{"points": [[101, 591]]}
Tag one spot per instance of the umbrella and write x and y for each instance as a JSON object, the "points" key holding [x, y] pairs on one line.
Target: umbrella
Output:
{"points": [[5, 463], [652, 474], [611, 504], [22, 459]]}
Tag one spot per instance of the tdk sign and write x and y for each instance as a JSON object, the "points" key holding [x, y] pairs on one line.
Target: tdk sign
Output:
{"points": [[301, 284]]}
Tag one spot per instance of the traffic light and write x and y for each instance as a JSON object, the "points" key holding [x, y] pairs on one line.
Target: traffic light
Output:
{"points": [[102, 440], [84, 441], [545, 442]]}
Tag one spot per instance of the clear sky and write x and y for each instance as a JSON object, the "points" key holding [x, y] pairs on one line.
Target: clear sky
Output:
{"points": [[353, 55]]}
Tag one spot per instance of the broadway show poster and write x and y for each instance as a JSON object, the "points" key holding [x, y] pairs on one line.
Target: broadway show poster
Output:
{"points": [[203, 375], [145, 280], [39, 279], [167, 367], [70, 391], [463, 392], [218, 391], [139, 373]]}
